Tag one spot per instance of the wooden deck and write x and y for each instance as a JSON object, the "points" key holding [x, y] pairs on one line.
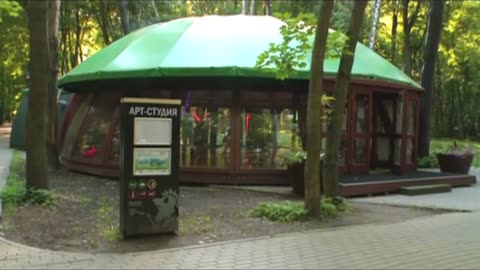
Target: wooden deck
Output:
{"points": [[389, 183]]}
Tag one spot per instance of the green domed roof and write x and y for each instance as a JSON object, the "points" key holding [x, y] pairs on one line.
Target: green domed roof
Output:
{"points": [[212, 46]]}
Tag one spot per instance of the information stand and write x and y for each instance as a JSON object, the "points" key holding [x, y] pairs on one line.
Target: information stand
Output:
{"points": [[149, 163]]}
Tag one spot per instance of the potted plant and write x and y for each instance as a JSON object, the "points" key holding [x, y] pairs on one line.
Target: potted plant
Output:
{"points": [[456, 160], [295, 161]]}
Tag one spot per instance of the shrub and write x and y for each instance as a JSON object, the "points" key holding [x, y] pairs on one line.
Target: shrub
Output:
{"points": [[288, 211], [15, 192], [428, 162], [283, 212]]}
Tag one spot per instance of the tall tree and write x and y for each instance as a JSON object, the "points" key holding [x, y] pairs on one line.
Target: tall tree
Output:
{"points": [[432, 40], [244, 7], [315, 92], [37, 167], [408, 22], [330, 180], [103, 21], [373, 29], [154, 6], [393, 50], [53, 24], [252, 7], [124, 17], [268, 7]]}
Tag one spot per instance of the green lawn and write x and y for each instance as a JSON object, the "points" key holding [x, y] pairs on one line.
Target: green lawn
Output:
{"points": [[444, 144]]}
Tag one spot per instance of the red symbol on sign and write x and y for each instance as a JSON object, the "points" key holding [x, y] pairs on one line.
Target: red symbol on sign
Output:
{"points": [[132, 196], [152, 194], [142, 195]]}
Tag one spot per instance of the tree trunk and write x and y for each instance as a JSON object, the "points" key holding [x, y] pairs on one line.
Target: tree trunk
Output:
{"points": [[407, 28], [432, 40], [37, 166], [407, 54], [124, 17], [155, 10], [315, 90], [252, 7], [373, 31], [393, 52], [268, 7], [330, 180], [244, 7], [53, 17], [104, 22]]}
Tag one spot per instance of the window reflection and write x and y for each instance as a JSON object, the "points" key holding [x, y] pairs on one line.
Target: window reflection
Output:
{"points": [[412, 118], [266, 135], [205, 137], [91, 140], [362, 114]]}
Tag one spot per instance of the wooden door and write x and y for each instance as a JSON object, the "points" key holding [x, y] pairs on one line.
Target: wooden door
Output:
{"points": [[360, 132]]}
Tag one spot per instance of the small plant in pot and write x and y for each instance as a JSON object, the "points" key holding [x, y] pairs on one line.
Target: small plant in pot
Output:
{"points": [[456, 160], [295, 161]]}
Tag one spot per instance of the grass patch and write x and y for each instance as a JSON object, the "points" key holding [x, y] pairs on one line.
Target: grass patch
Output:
{"points": [[15, 192], [105, 215], [195, 224], [289, 211]]}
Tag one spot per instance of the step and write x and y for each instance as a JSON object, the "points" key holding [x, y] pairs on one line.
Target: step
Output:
{"points": [[425, 189]]}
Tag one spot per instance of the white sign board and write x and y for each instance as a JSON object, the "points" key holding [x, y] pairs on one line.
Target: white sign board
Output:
{"points": [[152, 131]]}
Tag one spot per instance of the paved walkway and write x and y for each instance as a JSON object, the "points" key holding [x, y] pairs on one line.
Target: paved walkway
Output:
{"points": [[461, 198], [448, 241]]}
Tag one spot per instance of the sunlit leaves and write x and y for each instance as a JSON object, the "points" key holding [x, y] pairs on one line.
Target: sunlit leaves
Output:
{"points": [[297, 40], [10, 8]]}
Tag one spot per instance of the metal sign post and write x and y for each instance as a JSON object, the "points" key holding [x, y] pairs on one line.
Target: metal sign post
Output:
{"points": [[149, 156]]}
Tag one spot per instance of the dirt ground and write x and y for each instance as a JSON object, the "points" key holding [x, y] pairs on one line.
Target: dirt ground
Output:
{"points": [[85, 217]]}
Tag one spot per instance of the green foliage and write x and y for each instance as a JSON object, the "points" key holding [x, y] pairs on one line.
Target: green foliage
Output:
{"points": [[15, 192], [297, 40], [11, 8], [294, 156], [288, 211], [104, 216], [428, 162], [284, 212]]}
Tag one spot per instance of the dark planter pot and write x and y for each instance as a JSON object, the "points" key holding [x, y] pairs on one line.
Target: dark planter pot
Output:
{"points": [[296, 172], [454, 163]]}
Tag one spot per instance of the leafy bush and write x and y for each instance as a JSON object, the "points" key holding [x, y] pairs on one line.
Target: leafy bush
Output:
{"points": [[288, 211], [428, 162], [283, 212], [15, 192]]}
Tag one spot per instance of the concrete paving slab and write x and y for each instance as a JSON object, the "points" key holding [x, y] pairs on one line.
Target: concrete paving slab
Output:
{"points": [[461, 198]]}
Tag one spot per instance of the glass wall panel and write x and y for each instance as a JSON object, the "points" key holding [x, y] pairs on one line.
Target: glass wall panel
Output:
{"points": [[383, 148], [91, 139], [410, 151], [362, 116], [412, 117], [361, 150], [205, 137], [265, 137], [398, 152], [115, 149], [399, 117]]}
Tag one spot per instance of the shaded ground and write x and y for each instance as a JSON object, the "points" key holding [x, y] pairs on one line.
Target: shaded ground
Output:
{"points": [[85, 217]]}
